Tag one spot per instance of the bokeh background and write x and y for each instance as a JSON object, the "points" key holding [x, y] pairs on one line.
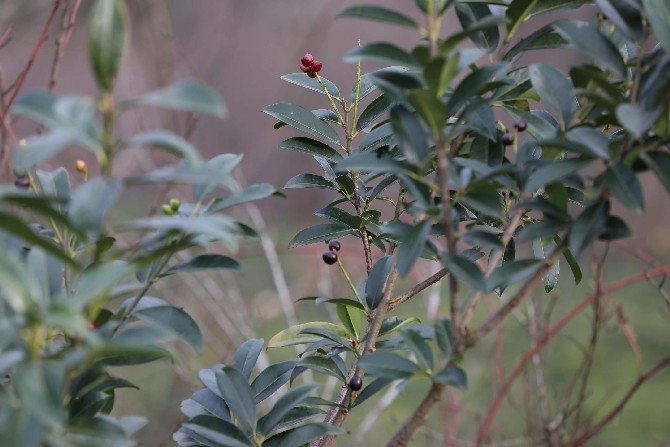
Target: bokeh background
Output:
{"points": [[241, 47]]}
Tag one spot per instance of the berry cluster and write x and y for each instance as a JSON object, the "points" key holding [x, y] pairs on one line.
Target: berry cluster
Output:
{"points": [[508, 138], [309, 66], [330, 257]]}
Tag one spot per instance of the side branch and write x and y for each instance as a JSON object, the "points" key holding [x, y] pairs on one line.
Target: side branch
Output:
{"points": [[405, 434], [423, 285]]}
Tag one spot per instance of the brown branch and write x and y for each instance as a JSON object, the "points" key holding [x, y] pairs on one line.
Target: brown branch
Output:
{"points": [[622, 403], [67, 25], [6, 37], [405, 434], [33, 56], [527, 357], [397, 301]]}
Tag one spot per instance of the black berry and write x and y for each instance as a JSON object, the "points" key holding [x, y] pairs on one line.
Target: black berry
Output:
{"points": [[329, 257], [356, 383], [520, 125], [22, 183], [507, 139], [334, 245]]}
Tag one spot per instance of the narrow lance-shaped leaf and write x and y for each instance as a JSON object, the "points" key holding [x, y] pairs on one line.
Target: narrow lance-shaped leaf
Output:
{"points": [[381, 51], [303, 120], [246, 356], [374, 287], [236, 392], [555, 90], [190, 96], [388, 365], [107, 34], [380, 14], [173, 320], [625, 186]]}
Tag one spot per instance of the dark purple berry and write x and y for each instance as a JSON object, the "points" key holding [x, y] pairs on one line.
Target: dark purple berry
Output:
{"points": [[22, 182], [520, 125], [334, 245], [356, 383], [507, 139], [329, 257]]}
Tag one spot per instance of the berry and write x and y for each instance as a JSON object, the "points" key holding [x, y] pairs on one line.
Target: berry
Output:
{"points": [[22, 183], [80, 166], [329, 257], [174, 204], [507, 139], [305, 69], [311, 73], [520, 125], [167, 209], [317, 66], [334, 245], [307, 60], [356, 383]]}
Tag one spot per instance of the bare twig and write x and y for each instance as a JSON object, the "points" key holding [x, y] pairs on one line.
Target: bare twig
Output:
{"points": [[68, 20], [434, 278]]}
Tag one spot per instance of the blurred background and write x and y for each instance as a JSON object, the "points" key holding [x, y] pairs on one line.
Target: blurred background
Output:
{"points": [[241, 48]]}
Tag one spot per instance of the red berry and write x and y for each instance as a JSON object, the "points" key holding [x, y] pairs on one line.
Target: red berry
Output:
{"points": [[317, 66], [334, 245], [305, 69], [307, 60], [329, 257], [520, 125], [311, 73], [507, 139], [22, 183], [356, 383]]}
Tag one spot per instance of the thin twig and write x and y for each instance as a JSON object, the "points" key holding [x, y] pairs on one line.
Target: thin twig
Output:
{"points": [[434, 278], [67, 25]]}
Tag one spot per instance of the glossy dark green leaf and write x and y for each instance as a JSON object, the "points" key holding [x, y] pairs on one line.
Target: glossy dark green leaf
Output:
{"points": [[374, 287], [636, 119], [303, 120], [379, 137], [411, 246], [372, 111], [415, 342], [483, 238], [517, 12], [190, 96], [55, 184], [166, 141], [395, 83], [593, 139], [370, 390], [271, 379], [625, 15], [91, 202], [410, 134], [553, 172], [299, 334], [510, 272], [320, 233], [246, 356], [543, 228], [542, 249], [324, 365], [383, 52], [547, 6], [302, 435], [544, 38], [174, 320], [485, 202], [204, 262], [538, 126], [388, 365], [212, 431], [588, 226], [248, 194], [379, 14], [657, 13], [471, 13], [370, 162], [309, 181], [302, 80], [659, 162], [107, 34], [555, 90], [430, 109], [585, 37], [337, 215], [465, 270], [452, 376], [118, 354], [625, 186], [479, 117], [444, 336], [237, 393], [475, 83], [284, 405], [311, 147], [40, 148], [345, 316], [615, 229]]}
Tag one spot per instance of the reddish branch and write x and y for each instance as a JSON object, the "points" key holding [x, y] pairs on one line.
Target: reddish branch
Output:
{"points": [[33, 56], [527, 357]]}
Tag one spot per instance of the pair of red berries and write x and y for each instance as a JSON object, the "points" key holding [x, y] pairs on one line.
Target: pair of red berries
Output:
{"points": [[330, 257], [309, 66]]}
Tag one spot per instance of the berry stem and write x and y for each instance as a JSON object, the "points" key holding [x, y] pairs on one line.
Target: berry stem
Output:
{"points": [[332, 101], [351, 284]]}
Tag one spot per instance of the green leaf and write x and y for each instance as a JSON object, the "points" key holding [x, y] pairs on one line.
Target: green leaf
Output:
{"points": [[335, 337], [624, 15], [588, 226], [284, 405], [39, 148], [615, 229], [657, 12], [320, 233], [510, 272], [625, 186], [107, 34], [174, 320], [91, 202], [246, 356], [392, 324], [430, 109], [204, 262], [636, 119], [517, 12], [303, 120], [465, 270], [302, 80], [469, 14], [296, 335], [594, 140], [302, 435], [410, 134], [485, 202], [344, 315], [311, 147], [444, 337], [383, 52], [546, 6], [553, 172], [374, 287], [542, 248], [55, 184], [236, 392], [189, 96], [388, 365], [415, 342], [324, 365], [212, 431], [121, 354], [167, 141], [309, 181], [339, 216], [585, 37], [412, 245], [249, 194], [374, 110], [453, 376], [271, 379], [659, 162], [555, 90], [543, 228], [474, 84], [380, 14], [95, 283]]}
